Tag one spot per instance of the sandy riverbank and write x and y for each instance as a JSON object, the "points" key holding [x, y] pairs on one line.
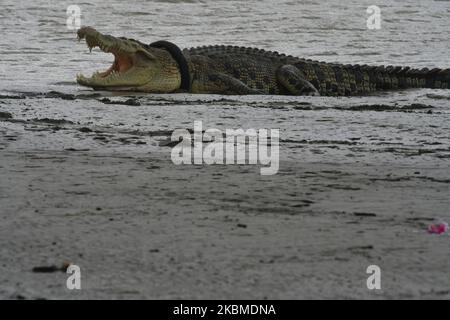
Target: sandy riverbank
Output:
{"points": [[141, 227]]}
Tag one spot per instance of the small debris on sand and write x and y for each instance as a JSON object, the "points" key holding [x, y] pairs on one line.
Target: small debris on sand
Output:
{"points": [[438, 228]]}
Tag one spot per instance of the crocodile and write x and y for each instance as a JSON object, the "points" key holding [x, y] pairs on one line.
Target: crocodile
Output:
{"points": [[162, 67]]}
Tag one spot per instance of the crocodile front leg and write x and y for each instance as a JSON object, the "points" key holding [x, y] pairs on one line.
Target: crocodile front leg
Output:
{"points": [[220, 83], [292, 79]]}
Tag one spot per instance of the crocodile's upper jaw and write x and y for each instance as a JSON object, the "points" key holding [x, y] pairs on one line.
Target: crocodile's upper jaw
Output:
{"points": [[133, 67]]}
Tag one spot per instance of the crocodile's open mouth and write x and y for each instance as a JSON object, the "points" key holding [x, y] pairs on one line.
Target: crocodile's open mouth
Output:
{"points": [[126, 71], [122, 63]]}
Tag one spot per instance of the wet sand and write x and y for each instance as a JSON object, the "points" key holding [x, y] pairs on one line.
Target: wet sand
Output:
{"points": [[83, 184]]}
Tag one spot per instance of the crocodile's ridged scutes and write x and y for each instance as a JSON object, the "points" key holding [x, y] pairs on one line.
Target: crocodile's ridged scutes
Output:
{"points": [[332, 78]]}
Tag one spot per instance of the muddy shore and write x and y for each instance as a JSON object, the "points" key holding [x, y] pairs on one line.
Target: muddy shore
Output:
{"points": [[92, 183]]}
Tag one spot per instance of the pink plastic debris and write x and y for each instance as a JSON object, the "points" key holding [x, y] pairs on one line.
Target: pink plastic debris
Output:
{"points": [[438, 228]]}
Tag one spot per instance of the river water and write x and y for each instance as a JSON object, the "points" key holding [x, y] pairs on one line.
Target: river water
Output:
{"points": [[39, 51]]}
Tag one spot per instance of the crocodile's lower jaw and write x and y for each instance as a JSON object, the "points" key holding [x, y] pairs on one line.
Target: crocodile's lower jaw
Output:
{"points": [[112, 81], [115, 76]]}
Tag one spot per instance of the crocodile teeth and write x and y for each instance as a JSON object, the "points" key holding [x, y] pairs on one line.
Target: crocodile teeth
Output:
{"points": [[80, 77]]}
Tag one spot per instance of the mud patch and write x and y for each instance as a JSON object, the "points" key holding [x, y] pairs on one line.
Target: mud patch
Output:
{"points": [[385, 107], [53, 121], [12, 97], [5, 115], [129, 102], [320, 142], [437, 97]]}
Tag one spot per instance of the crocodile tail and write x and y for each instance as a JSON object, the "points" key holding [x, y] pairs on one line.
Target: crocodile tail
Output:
{"points": [[363, 79], [405, 77], [438, 79]]}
